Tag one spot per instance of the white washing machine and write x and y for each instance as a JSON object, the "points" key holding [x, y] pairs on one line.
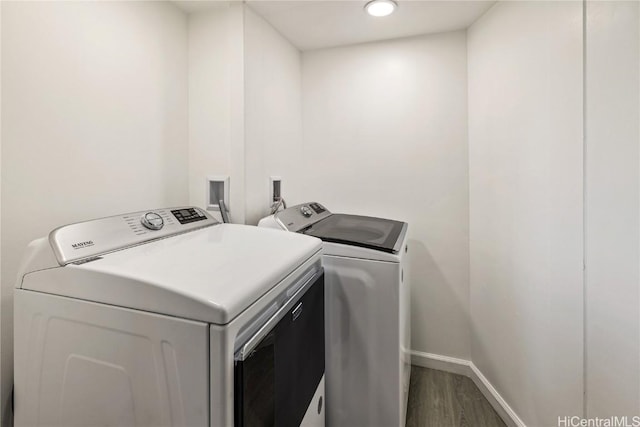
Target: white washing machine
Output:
{"points": [[168, 318], [367, 313]]}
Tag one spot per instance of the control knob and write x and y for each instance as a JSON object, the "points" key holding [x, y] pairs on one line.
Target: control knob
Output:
{"points": [[152, 221], [306, 211]]}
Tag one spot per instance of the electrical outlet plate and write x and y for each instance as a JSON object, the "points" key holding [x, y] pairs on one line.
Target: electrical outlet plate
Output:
{"points": [[217, 189]]}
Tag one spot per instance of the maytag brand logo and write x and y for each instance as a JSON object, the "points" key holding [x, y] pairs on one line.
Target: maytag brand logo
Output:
{"points": [[81, 245]]}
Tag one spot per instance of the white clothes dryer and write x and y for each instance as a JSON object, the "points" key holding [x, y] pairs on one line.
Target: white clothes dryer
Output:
{"points": [[169, 318], [367, 313]]}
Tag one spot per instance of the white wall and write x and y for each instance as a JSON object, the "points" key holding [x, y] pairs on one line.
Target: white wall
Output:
{"points": [[385, 134], [3, 408], [273, 115], [94, 115], [526, 246], [216, 104], [244, 108], [612, 209]]}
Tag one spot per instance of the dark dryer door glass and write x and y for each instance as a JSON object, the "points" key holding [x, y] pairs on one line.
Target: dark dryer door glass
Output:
{"points": [[374, 233], [255, 386], [275, 384]]}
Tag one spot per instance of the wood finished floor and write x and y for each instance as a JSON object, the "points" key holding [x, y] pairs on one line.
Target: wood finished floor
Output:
{"points": [[441, 399]]}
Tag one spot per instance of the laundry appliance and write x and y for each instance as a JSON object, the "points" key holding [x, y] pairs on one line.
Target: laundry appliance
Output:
{"points": [[367, 312], [168, 318]]}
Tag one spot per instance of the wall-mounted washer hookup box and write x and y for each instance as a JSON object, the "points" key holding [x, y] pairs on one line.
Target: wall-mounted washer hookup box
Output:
{"points": [[217, 189], [275, 189]]}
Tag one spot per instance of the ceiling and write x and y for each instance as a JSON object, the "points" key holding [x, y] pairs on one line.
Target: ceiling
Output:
{"points": [[195, 6], [314, 24]]}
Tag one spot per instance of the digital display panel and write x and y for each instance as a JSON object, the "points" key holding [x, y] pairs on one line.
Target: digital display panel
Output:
{"points": [[185, 216]]}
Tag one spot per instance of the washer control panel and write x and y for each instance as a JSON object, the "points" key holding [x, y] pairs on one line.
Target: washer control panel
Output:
{"points": [[299, 217], [89, 240]]}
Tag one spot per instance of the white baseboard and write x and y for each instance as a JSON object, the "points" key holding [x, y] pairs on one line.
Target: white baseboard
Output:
{"points": [[468, 369], [503, 409], [441, 363]]}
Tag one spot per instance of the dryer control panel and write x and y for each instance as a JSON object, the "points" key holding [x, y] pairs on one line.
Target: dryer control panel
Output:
{"points": [[87, 240], [299, 217]]}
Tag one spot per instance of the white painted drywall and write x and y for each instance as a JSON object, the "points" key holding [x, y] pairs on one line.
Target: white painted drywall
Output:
{"points": [[216, 115], [3, 409], [313, 25], [272, 114], [612, 209], [385, 134], [244, 108], [525, 173], [94, 121]]}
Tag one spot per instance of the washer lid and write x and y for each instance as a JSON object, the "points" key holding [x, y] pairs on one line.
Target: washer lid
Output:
{"points": [[368, 232], [211, 274]]}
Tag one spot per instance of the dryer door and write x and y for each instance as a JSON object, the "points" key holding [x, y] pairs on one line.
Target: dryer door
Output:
{"points": [[278, 378]]}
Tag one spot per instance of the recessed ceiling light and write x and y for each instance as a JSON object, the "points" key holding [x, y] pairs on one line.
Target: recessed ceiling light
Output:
{"points": [[380, 7]]}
